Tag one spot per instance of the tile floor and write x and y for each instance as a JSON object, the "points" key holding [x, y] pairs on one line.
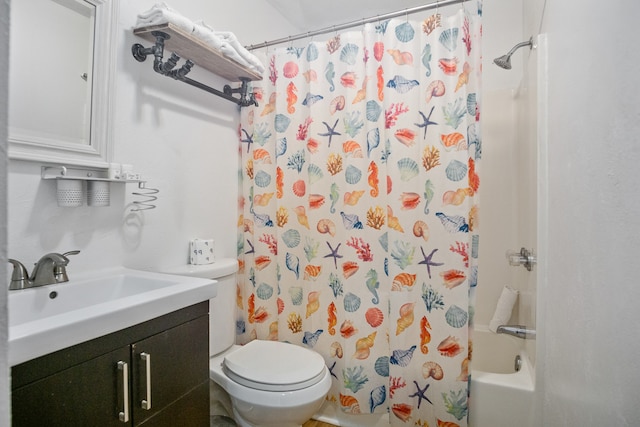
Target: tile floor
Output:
{"points": [[314, 423], [224, 421]]}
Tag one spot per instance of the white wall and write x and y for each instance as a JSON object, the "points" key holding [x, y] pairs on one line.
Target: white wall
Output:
{"points": [[181, 139], [184, 142], [4, 95], [588, 351]]}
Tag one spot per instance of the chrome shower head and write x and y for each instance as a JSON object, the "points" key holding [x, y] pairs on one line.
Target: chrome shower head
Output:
{"points": [[505, 60]]}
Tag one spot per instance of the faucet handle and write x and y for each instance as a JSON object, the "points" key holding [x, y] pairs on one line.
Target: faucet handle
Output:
{"points": [[19, 276], [60, 270]]}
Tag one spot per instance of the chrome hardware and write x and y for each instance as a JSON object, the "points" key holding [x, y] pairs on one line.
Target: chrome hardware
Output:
{"points": [[505, 60], [19, 277], [519, 331], [149, 195], [60, 270], [517, 363], [50, 269], [43, 272], [525, 257], [146, 359], [123, 384]]}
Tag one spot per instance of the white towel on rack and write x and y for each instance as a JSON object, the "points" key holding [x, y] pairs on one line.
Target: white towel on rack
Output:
{"points": [[503, 308], [161, 13], [229, 52], [205, 33], [211, 38], [224, 41], [229, 37]]}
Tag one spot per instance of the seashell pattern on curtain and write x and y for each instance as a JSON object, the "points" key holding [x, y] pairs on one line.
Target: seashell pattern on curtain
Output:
{"points": [[358, 234]]}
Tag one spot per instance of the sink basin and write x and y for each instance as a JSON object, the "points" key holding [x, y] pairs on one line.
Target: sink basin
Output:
{"points": [[52, 317]]}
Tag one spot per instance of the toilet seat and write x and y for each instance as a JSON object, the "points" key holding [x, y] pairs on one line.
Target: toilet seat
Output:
{"points": [[274, 366]]}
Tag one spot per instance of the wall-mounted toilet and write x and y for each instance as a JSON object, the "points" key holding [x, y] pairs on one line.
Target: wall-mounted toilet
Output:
{"points": [[270, 383]]}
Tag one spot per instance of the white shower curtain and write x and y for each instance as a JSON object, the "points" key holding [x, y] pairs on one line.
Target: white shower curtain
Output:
{"points": [[359, 235]]}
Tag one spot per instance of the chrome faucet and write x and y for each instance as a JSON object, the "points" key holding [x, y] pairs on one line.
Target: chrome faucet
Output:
{"points": [[60, 271], [19, 277], [51, 268], [519, 331]]}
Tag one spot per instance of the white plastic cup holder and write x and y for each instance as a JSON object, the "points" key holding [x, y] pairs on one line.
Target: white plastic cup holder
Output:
{"points": [[98, 193], [69, 193]]}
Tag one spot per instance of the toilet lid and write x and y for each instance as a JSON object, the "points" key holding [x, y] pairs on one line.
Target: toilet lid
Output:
{"points": [[274, 366]]}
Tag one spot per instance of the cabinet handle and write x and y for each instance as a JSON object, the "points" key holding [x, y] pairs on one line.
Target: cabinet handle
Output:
{"points": [[146, 359], [123, 384]]}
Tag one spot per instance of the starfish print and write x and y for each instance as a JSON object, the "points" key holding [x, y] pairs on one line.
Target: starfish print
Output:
{"points": [[426, 121], [252, 250], [428, 262], [248, 140], [330, 131], [334, 253], [420, 393]]}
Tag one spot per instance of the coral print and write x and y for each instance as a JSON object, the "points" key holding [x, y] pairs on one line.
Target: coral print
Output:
{"points": [[360, 181]]}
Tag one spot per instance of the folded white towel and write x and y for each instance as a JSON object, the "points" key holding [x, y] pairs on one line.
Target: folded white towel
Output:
{"points": [[503, 308], [161, 13], [224, 41], [205, 33], [228, 51], [228, 44], [247, 56]]}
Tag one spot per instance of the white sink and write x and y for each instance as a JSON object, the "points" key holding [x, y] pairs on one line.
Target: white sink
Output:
{"points": [[52, 317]]}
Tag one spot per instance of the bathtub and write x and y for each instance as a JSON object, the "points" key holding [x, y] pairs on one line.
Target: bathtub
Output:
{"points": [[500, 396]]}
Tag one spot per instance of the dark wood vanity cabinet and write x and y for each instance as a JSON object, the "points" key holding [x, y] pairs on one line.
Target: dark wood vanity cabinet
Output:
{"points": [[88, 384]]}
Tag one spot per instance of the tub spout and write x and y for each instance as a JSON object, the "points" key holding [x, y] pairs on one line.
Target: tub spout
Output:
{"points": [[519, 331]]}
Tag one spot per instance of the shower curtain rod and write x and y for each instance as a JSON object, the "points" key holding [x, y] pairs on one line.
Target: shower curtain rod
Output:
{"points": [[351, 24]]}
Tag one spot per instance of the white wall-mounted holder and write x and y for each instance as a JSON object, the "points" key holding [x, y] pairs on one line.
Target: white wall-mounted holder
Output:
{"points": [[98, 193], [69, 182], [69, 193]]}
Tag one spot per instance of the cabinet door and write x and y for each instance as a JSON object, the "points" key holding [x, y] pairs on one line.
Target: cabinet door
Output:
{"points": [[167, 366], [192, 410], [87, 394]]}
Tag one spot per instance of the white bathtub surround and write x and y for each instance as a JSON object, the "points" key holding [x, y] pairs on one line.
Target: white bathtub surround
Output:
{"points": [[500, 396], [504, 307]]}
